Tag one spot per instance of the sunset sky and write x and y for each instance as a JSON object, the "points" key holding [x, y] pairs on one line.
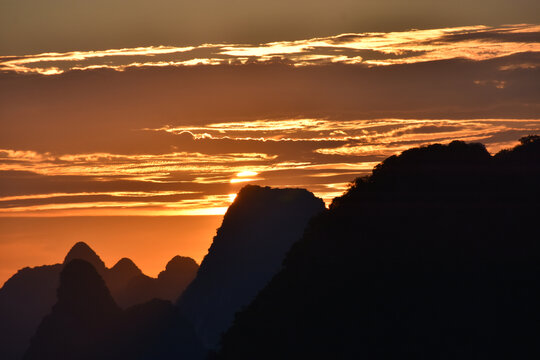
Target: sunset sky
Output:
{"points": [[131, 125]]}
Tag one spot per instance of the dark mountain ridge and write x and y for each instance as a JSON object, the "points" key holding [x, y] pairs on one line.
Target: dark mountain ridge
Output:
{"points": [[30, 294], [169, 285], [248, 249], [434, 256], [24, 300], [86, 323], [82, 251]]}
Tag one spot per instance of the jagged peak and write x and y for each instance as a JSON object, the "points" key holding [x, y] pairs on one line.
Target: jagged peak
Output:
{"points": [[82, 251]]}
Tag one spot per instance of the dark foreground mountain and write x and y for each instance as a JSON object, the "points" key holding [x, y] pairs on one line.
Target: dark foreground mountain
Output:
{"points": [[86, 323], [24, 300], [30, 294], [436, 255], [257, 231]]}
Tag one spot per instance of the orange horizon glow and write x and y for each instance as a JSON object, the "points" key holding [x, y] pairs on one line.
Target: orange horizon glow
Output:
{"points": [[112, 238], [364, 138]]}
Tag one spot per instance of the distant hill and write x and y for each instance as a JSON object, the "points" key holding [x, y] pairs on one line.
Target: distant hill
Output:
{"points": [[86, 323], [169, 284], [30, 294], [257, 231], [436, 255], [84, 317]]}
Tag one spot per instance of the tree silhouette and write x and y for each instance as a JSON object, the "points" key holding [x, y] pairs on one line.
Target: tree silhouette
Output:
{"points": [[433, 256]]}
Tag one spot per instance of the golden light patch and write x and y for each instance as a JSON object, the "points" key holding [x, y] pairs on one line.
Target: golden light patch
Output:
{"points": [[242, 180], [246, 173], [392, 48]]}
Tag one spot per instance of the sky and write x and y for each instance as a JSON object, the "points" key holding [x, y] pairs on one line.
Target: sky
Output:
{"points": [[117, 118]]}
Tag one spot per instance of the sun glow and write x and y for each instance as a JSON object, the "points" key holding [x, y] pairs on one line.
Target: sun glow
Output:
{"points": [[236, 181], [246, 173]]}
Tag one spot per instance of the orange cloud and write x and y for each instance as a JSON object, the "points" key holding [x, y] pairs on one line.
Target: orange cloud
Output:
{"points": [[373, 49]]}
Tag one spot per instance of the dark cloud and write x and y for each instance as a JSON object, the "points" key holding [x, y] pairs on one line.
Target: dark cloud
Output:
{"points": [[15, 183], [36, 26], [498, 35]]}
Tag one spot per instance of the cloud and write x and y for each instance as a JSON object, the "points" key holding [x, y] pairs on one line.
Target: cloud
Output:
{"points": [[35, 26], [170, 139], [374, 49], [320, 154]]}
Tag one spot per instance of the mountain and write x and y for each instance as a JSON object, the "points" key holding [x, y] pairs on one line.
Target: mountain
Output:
{"points": [[156, 330], [86, 323], [257, 231], [121, 274], [84, 318], [434, 256], [24, 300], [30, 294], [169, 285], [178, 274], [82, 251]]}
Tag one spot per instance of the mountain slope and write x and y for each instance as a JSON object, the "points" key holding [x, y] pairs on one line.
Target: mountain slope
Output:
{"points": [[434, 256], [83, 319], [24, 300], [257, 231], [86, 323], [82, 251], [30, 294], [169, 285]]}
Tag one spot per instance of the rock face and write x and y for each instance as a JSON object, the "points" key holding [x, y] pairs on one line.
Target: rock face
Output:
{"points": [[30, 294], [81, 322], [257, 231], [24, 300], [433, 256], [155, 330], [86, 323]]}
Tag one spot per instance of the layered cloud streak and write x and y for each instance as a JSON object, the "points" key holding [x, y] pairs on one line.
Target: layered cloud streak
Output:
{"points": [[197, 183], [371, 49], [178, 131]]}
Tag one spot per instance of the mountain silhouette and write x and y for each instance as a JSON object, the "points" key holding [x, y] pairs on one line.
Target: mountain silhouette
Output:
{"points": [[434, 256], [82, 251], [83, 319], [30, 294], [156, 330], [86, 323], [24, 300], [257, 231], [169, 285], [178, 274], [121, 274]]}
